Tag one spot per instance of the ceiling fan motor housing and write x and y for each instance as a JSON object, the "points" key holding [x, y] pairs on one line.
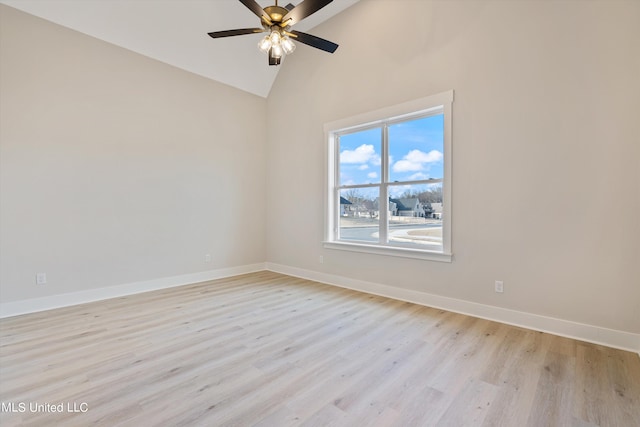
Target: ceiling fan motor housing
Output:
{"points": [[276, 13]]}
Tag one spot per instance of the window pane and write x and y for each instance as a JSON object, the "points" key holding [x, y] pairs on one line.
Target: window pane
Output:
{"points": [[360, 157], [415, 215], [359, 216], [416, 149]]}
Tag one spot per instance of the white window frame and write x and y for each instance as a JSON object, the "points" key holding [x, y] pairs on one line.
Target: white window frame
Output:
{"points": [[441, 102]]}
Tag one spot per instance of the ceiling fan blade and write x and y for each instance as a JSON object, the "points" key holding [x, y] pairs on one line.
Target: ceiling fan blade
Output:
{"points": [[314, 41], [255, 8], [304, 9], [229, 33]]}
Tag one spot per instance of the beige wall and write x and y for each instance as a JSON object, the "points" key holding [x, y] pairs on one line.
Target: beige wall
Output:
{"points": [[116, 168], [546, 115]]}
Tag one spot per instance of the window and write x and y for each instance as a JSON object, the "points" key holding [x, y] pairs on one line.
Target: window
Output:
{"points": [[389, 180]]}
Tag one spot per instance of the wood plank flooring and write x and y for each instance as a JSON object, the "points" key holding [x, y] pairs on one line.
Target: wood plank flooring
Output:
{"points": [[270, 350]]}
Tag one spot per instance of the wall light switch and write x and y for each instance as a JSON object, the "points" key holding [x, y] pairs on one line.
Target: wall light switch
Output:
{"points": [[499, 286]]}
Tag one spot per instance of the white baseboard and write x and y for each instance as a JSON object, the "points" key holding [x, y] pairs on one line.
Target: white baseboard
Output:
{"points": [[14, 308], [593, 334]]}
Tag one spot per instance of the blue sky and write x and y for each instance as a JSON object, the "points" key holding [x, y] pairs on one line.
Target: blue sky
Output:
{"points": [[415, 152]]}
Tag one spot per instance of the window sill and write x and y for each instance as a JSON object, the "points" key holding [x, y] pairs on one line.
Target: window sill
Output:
{"points": [[389, 251]]}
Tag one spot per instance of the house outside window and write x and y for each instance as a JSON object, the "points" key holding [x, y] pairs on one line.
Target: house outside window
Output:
{"points": [[389, 180]]}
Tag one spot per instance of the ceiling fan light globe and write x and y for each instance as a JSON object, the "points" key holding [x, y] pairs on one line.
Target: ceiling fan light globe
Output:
{"points": [[275, 37], [265, 44], [276, 51], [287, 45]]}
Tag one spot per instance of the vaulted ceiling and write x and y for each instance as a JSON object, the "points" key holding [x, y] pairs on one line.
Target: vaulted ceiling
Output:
{"points": [[175, 32]]}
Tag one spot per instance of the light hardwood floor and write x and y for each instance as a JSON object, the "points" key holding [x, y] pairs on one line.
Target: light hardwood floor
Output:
{"points": [[270, 350]]}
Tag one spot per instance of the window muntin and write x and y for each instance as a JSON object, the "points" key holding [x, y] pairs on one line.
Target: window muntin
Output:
{"points": [[389, 181]]}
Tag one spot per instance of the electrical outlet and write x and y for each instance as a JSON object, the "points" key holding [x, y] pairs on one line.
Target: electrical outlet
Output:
{"points": [[499, 286], [41, 278], [321, 259], [207, 258]]}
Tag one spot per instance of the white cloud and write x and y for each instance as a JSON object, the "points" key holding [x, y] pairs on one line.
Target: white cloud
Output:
{"points": [[415, 160], [363, 167], [363, 154], [406, 166], [417, 176], [372, 175], [420, 156]]}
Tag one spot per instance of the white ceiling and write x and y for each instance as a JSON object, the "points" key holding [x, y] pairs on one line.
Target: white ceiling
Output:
{"points": [[175, 32]]}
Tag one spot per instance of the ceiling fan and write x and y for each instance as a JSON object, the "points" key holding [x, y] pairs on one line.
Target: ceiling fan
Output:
{"points": [[277, 21]]}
